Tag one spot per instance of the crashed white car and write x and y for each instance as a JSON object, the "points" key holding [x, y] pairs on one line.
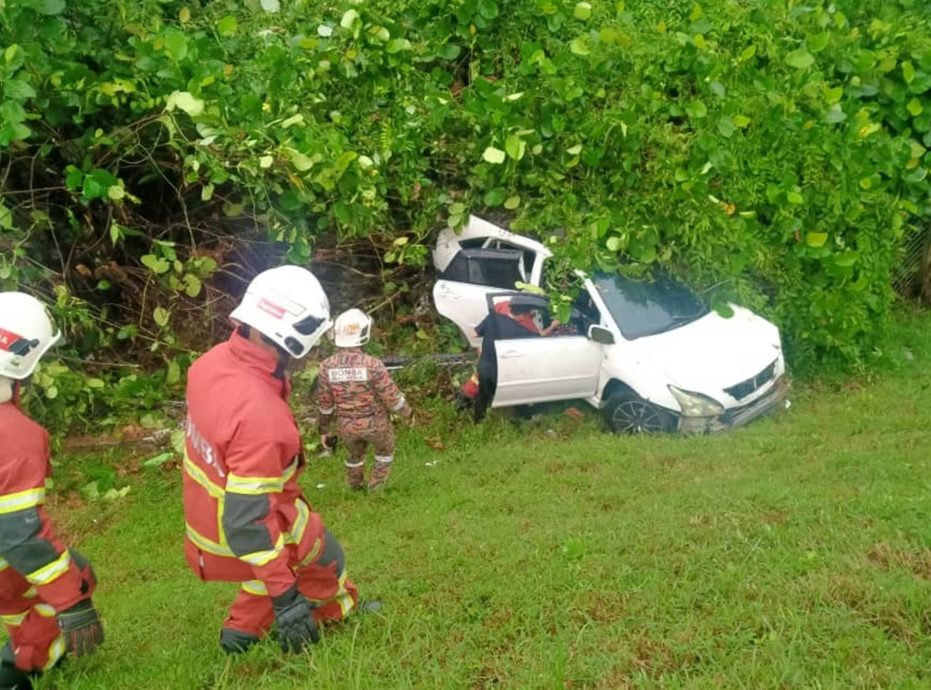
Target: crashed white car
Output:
{"points": [[651, 355]]}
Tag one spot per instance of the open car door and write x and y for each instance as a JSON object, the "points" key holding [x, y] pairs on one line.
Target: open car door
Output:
{"points": [[461, 290], [530, 367]]}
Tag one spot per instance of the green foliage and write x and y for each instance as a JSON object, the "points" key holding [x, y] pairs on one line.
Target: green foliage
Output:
{"points": [[774, 152]]}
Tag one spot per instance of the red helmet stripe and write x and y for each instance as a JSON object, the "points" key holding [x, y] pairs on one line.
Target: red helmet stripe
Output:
{"points": [[7, 339]]}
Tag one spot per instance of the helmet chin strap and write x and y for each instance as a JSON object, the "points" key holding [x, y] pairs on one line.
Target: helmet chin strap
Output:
{"points": [[7, 388]]}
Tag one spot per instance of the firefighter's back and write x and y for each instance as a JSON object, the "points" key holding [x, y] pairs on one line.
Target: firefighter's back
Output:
{"points": [[352, 376]]}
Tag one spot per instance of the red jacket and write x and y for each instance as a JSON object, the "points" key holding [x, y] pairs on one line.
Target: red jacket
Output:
{"points": [[246, 516], [525, 319], [28, 546]]}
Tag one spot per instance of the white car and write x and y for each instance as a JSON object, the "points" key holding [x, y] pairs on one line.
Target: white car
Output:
{"points": [[651, 355]]}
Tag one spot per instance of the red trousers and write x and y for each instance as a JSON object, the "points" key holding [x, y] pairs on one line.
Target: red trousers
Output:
{"points": [[35, 639], [323, 581]]}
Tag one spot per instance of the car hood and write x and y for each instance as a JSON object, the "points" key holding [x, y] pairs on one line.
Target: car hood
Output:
{"points": [[712, 353]]}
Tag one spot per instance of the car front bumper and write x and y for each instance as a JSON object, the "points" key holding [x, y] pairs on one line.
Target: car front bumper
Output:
{"points": [[774, 398]]}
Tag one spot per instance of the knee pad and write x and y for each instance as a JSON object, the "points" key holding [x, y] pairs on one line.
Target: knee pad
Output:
{"points": [[87, 570], [332, 552]]}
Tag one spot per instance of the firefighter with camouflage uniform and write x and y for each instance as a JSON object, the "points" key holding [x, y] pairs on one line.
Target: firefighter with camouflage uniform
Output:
{"points": [[356, 391]]}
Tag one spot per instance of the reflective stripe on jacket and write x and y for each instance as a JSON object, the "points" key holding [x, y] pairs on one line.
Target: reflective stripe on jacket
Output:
{"points": [[28, 545], [246, 517]]}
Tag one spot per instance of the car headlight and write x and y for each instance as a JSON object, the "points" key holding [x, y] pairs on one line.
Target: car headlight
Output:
{"points": [[695, 404]]}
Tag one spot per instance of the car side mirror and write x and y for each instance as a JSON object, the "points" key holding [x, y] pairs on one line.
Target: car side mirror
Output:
{"points": [[600, 334]]}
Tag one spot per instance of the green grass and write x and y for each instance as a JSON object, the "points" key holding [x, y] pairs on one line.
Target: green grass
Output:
{"points": [[792, 553]]}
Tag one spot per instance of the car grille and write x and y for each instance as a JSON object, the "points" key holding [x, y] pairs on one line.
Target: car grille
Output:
{"points": [[745, 388]]}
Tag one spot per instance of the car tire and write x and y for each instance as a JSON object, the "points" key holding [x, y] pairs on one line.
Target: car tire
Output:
{"points": [[627, 413]]}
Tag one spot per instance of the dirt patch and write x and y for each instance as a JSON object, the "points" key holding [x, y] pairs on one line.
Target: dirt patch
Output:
{"points": [[129, 438], [776, 517], [892, 617], [606, 606], [654, 657], [915, 561]]}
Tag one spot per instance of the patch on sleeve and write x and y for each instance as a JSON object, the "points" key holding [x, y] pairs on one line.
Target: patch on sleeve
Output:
{"points": [[348, 374]]}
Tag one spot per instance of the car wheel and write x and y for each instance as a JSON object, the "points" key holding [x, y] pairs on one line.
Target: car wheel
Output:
{"points": [[628, 413]]}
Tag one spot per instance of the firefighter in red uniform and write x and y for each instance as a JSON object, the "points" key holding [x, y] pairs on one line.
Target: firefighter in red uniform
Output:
{"points": [[45, 588], [247, 520], [528, 318], [357, 391]]}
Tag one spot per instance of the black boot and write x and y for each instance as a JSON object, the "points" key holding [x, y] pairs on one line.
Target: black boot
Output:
{"points": [[11, 678], [463, 403], [236, 641]]}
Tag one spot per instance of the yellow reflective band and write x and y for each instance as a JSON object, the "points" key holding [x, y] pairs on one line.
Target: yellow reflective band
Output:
{"points": [[31, 593], [254, 486], [10, 503], [343, 598], [255, 587], [56, 651], [204, 544], [221, 535], [288, 473], [4, 564], [300, 523], [314, 552], [51, 572], [14, 619], [44, 610], [199, 476], [260, 558]]}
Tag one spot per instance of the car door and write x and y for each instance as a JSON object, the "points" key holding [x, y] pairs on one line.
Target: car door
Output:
{"points": [[461, 290], [533, 368]]}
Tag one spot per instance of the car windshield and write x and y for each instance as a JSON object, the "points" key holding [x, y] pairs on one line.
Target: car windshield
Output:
{"points": [[642, 308]]}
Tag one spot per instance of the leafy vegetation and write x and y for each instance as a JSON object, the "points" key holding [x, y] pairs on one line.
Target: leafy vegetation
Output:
{"points": [[771, 152], [792, 552]]}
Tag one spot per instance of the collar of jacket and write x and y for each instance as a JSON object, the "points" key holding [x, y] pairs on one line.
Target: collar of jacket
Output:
{"points": [[261, 360]]}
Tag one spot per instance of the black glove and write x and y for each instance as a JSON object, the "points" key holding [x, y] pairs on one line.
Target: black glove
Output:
{"points": [[296, 626], [80, 625]]}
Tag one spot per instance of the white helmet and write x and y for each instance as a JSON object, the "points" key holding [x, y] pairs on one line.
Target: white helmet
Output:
{"points": [[26, 333], [353, 328], [288, 306]]}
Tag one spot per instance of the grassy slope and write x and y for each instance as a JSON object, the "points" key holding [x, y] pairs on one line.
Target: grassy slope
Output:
{"points": [[794, 552]]}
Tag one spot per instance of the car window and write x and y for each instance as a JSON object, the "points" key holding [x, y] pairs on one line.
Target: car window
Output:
{"points": [[528, 316], [643, 308], [586, 311], [473, 242], [487, 267], [527, 258]]}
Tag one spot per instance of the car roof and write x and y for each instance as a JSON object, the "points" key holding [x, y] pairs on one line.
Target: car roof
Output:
{"points": [[476, 228]]}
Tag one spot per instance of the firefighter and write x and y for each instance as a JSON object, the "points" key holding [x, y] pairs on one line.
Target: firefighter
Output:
{"points": [[45, 588], [357, 391], [247, 520], [530, 320]]}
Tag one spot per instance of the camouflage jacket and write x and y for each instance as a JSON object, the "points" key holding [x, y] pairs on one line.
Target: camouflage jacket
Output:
{"points": [[354, 385]]}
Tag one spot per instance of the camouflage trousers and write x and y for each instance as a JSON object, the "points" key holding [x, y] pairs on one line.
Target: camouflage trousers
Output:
{"points": [[358, 434]]}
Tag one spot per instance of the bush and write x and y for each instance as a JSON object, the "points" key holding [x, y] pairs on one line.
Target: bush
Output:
{"points": [[765, 152]]}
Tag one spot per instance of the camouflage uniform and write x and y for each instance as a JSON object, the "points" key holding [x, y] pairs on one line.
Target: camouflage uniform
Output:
{"points": [[358, 390]]}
